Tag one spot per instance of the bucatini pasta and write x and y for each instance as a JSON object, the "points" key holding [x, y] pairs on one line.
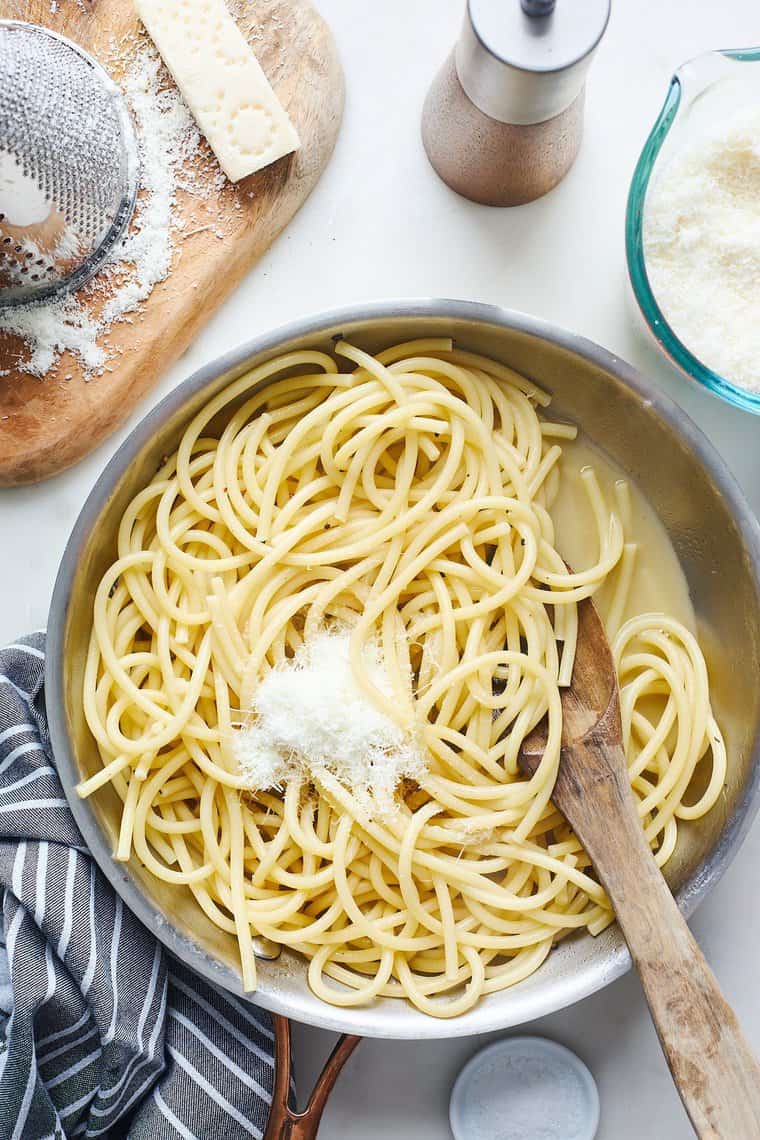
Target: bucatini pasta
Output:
{"points": [[407, 499]]}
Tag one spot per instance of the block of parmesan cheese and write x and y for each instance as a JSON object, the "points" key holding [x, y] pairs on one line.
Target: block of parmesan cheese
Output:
{"points": [[221, 81]]}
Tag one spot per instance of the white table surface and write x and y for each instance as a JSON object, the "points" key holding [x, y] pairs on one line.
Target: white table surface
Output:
{"points": [[380, 224]]}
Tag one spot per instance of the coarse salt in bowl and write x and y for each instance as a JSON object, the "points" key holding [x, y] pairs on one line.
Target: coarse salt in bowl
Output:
{"points": [[524, 1088]]}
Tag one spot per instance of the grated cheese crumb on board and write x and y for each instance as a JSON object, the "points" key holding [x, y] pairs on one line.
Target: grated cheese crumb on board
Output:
{"points": [[310, 716]]}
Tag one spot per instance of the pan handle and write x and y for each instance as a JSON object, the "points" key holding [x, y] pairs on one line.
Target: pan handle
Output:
{"points": [[284, 1123]]}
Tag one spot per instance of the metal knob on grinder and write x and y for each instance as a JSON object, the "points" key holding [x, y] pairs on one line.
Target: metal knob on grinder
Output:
{"points": [[503, 120]]}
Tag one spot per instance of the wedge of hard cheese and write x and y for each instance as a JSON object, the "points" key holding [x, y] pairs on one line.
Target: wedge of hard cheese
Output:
{"points": [[222, 82]]}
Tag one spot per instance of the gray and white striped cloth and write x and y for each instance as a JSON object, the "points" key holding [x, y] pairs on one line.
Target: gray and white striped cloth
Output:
{"points": [[102, 1034]]}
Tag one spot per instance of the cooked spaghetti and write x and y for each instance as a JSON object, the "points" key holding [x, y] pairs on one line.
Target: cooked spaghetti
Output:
{"points": [[408, 501]]}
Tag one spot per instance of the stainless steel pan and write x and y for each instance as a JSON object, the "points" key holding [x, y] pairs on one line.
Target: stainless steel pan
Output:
{"points": [[713, 531]]}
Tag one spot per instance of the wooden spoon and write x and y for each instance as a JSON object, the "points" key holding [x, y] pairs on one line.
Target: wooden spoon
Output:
{"points": [[712, 1065]]}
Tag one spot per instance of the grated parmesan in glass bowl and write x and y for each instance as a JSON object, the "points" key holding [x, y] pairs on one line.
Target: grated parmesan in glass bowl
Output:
{"points": [[692, 228]]}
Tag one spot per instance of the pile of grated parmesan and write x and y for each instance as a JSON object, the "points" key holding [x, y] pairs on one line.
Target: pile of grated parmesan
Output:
{"points": [[310, 716], [167, 137], [702, 248]]}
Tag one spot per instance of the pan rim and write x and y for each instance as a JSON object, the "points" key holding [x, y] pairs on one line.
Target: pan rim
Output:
{"points": [[591, 977]]}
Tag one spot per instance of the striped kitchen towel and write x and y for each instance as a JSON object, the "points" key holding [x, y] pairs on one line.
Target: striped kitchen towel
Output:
{"points": [[102, 1033]]}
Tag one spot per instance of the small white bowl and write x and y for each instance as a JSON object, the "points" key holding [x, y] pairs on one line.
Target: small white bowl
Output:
{"points": [[524, 1088]]}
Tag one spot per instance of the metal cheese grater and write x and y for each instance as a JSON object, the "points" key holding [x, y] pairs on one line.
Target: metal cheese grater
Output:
{"points": [[68, 164]]}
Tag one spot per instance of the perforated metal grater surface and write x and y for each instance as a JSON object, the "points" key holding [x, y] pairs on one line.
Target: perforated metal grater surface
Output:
{"points": [[68, 164]]}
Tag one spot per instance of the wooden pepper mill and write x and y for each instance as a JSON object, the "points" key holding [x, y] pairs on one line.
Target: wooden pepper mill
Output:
{"points": [[503, 120]]}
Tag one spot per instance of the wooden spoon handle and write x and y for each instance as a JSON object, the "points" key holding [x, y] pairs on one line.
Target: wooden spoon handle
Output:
{"points": [[284, 1122], [713, 1067]]}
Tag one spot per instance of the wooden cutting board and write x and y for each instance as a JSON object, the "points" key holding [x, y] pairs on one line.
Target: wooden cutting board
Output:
{"points": [[49, 424]]}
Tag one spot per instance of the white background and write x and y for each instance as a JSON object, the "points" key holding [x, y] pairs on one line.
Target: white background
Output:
{"points": [[380, 224]]}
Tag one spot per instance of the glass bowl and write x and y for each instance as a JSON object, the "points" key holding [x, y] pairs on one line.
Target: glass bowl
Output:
{"points": [[702, 93]]}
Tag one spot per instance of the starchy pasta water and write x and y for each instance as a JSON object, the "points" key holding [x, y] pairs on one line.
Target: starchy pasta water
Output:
{"points": [[406, 497]]}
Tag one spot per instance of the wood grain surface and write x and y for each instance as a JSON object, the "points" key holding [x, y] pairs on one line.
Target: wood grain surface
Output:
{"points": [[713, 1067], [49, 424]]}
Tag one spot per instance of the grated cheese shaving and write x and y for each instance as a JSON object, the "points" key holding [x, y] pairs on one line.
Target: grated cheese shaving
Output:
{"points": [[702, 247], [310, 716]]}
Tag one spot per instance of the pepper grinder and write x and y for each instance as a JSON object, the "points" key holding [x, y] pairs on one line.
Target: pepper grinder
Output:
{"points": [[503, 120]]}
